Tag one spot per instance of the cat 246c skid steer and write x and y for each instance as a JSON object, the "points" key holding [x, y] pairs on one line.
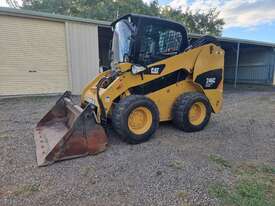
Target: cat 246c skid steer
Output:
{"points": [[154, 76]]}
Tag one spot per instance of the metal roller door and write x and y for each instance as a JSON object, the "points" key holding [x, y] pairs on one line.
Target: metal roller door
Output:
{"points": [[33, 57]]}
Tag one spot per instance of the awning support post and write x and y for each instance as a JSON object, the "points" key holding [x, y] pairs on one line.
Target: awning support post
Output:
{"points": [[237, 65]]}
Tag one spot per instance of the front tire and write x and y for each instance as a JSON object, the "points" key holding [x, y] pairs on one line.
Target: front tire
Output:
{"points": [[135, 118], [191, 112]]}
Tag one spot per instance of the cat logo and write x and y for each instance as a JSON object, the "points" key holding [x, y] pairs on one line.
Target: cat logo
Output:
{"points": [[156, 69]]}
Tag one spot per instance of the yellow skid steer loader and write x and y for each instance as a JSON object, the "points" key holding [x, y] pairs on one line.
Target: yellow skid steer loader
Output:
{"points": [[155, 75]]}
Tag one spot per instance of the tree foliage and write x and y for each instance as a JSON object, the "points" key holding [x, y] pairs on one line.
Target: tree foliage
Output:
{"points": [[198, 22], [13, 3]]}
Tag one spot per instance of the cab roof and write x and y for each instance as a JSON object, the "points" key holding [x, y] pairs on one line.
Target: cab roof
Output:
{"points": [[136, 17]]}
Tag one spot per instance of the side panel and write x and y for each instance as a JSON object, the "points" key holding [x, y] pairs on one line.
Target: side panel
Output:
{"points": [[82, 43], [166, 97], [208, 73]]}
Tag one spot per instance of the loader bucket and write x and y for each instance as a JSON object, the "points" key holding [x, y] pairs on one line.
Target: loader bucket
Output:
{"points": [[68, 131]]}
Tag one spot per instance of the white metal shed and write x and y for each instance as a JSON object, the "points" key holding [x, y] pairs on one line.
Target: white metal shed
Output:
{"points": [[43, 53]]}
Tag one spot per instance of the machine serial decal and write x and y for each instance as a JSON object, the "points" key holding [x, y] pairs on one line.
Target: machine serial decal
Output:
{"points": [[210, 79]]}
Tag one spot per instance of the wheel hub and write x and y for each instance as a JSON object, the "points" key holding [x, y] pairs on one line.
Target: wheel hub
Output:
{"points": [[197, 113], [140, 120]]}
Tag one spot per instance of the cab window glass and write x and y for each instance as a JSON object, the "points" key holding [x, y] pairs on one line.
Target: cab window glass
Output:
{"points": [[158, 42]]}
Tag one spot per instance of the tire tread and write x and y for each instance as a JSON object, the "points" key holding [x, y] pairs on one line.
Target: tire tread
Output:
{"points": [[121, 126], [181, 109]]}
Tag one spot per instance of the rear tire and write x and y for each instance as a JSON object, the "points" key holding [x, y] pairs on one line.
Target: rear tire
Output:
{"points": [[191, 112], [135, 118]]}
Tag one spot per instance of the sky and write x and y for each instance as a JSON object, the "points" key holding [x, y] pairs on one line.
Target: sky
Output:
{"points": [[245, 19]]}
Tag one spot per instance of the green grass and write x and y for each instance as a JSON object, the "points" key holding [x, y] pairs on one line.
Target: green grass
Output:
{"points": [[183, 196], [249, 192], [244, 193], [219, 161], [85, 171], [254, 185], [218, 190], [267, 169], [254, 169], [176, 164], [27, 189], [3, 136]]}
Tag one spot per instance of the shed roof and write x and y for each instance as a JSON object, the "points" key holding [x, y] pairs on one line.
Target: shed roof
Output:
{"points": [[47, 16], [237, 40]]}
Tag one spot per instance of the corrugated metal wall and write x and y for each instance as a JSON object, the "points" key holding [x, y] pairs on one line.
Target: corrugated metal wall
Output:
{"points": [[33, 57], [261, 74], [82, 45], [256, 64]]}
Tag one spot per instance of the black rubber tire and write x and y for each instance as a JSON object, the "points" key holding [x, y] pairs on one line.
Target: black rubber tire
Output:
{"points": [[121, 112], [181, 109]]}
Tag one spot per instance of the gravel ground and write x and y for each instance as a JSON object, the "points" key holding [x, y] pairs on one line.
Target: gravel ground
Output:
{"points": [[173, 168]]}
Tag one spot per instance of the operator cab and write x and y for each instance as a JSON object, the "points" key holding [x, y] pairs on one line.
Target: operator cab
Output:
{"points": [[143, 40]]}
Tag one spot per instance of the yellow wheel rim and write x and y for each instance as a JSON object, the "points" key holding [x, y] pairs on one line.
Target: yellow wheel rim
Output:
{"points": [[197, 113], [140, 120]]}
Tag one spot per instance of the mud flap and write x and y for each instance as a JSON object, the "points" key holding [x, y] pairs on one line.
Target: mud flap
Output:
{"points": [[68, 131]]}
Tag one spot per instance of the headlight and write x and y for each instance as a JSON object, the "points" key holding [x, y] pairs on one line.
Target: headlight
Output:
{"points": [[90, 100], [137, 69]]}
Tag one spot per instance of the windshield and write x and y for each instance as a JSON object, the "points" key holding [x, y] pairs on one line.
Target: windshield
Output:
{"points": [[121, 41]]}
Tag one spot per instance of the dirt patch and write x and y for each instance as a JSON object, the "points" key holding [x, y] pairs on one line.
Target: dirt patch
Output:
{"points": [[173, 168]]}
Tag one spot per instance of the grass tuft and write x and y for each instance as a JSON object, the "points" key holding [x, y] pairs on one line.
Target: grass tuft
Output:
{"points": [[3, 136], [218, 190], [177, 164], [27, 189], [254, 186], [249, 192], [253, 169], [183, 196], [219, 161], [267, 169], [85, 171]]}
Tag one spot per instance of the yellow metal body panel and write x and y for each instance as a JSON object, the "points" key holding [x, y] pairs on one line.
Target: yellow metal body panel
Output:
{"points": [[123, 67], [90, 89], [165, 98], [211, 57], [192, 61]]}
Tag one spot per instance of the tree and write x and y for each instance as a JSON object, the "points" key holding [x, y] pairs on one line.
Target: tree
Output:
{"points": [[198, 22], [107, 10], [13, 3]]}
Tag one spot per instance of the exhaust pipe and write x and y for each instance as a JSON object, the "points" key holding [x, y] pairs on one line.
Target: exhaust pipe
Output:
{"points": [[67, 131]]}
